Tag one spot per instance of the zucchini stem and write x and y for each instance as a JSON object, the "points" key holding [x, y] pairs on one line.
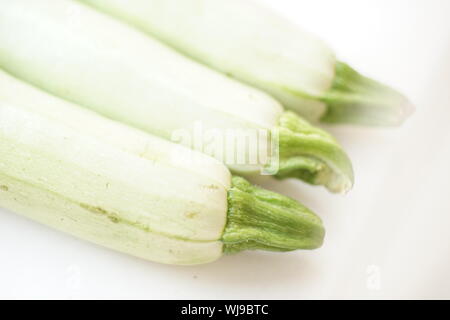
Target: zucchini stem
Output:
{"points": [[356, 99], [259, 219], [311, 154]]}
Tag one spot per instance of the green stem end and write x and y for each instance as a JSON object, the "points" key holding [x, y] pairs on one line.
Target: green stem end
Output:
{"points": [[312, 155], [259, 219], [356, 99]]}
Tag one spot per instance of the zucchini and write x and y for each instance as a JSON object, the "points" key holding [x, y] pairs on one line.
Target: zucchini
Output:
{"points": [[121, 188], [251, 43], [89, 58]]}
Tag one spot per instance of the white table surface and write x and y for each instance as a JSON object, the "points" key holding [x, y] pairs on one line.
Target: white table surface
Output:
{"points": [[388, 238]]}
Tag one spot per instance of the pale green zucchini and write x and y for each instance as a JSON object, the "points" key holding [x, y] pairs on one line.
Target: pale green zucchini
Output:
{"points": [[121, 188], [255, 45], [89, 58]]}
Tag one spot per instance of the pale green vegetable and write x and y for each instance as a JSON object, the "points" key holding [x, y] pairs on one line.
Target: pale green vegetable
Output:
{"points": [[253, 44], [121, 188], [95, 61]]}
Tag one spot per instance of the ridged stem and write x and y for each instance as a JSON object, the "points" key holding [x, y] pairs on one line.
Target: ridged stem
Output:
{"points": [[259, 219], [311, 154], [356, 99]]}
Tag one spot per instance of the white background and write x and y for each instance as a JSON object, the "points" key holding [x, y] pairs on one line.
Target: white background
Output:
{"points": [[388, 238]]}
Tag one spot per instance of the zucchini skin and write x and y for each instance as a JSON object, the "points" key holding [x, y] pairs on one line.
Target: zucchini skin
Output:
{"points": [[71, 181], [242, 39], [253, 44], [19, 93], [124, 75], [94, 226], [115, 186]]}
